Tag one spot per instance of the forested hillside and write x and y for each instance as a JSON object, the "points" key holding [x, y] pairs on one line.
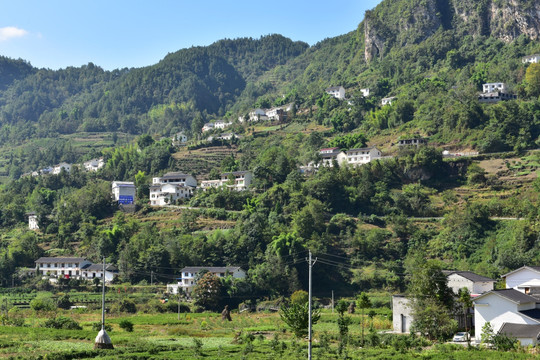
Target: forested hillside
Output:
{"points": [[373, 221]]}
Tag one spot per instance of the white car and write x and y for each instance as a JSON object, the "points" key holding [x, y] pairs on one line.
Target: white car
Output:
{"points": [[461, 337]]}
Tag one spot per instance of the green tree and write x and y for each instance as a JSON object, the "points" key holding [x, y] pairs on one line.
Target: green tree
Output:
{"points": [[297, 317], [363, 302], [208, 291], [464, 298], [532, 79]]}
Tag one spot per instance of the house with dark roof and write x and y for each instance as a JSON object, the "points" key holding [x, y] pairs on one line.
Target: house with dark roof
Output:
{"points": [[188, 276], [171, 187], [524, 333], [476, 284], [73, 267], [525, 279], [505, 306]]}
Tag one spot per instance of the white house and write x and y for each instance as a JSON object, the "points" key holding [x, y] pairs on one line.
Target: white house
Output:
{"points": [[275, 114], [208, 127], [241, 179], [412, 142], [179, 139], [208, 184], [504, 306], [222, 124], [365, 92], [388, 100], [526, 279], [524, 333], [32, 221], [401, 305], [361, 156], [188, 278], [171, 187], [124, 192], [58, 168], [73, 267], [493, 87], [257, 115], [476, 284], [93, 271], [329, 155], [533, 59], [401, 314], [94, 164], [336, 91]]}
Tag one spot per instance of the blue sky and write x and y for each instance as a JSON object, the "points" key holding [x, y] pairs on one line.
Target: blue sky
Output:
{"points": [[116, 33]]}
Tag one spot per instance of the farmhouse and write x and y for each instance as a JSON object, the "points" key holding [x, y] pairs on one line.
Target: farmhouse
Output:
{"points": [[237, 180], [73, 267], [124, 192], [58, 168], [208, 127], [388, 100], [495, 92], [171, 187], [32, 221], [526, 279], [94, 164], [336, 91], [365, 92], [189, 276], [179, 139], [532, 59], [361, 156], [329, 155], [412, 142]]}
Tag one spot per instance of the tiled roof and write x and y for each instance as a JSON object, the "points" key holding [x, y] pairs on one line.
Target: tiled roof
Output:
{"points": [[520, 330], [470, 276], [214, 269], [510, 294], [59, 259], [534, 268], [99, 267]]}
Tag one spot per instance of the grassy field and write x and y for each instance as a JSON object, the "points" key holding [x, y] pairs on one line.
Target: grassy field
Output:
{"points": [[206, 336]]}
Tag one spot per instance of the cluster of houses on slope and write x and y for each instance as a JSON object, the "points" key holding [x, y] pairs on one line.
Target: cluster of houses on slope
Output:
{"points": [[279, 113], [55, 268], [513, 311], [174, 186], [218, 124], [189, 276], [90, 165]]}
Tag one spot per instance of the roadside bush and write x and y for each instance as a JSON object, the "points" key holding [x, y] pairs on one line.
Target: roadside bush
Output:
{"points": [[62, 322], [126, 325], [125, 305]]}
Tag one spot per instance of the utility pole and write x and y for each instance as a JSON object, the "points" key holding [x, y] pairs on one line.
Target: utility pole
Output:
{"points": [[310, 333], [178, 291]]}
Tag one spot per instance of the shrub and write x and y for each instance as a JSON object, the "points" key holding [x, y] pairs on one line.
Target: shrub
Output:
{"points": [[64, 302], [172, 306], [299, 297], [127, 306], [43, 302], [126, 325], [62, 322]]}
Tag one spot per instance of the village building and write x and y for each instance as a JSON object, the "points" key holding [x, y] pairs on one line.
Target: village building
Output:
{"points": [[179, 139], [169, 188], [388, 100], [237, 180], [412, 142], [365, 92], [331, 155], [532, 59], [207, 127], [58, 168], [336, 91], [276, 114], [94, 164], [124, 192], [33, 223], [361, 156], [189, 276], [495, 92], [221, 124], [73, 268], [476, 284]]}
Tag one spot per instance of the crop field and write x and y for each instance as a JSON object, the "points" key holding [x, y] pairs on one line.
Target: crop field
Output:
{"points": [[207, 336]]}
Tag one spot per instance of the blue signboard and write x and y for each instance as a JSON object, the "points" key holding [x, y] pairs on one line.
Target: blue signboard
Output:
{"points": [[125, 199]]}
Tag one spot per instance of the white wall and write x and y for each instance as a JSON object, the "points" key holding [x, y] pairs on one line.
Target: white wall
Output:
{"points": [[401, 314], [521, 277], [497, 311]]}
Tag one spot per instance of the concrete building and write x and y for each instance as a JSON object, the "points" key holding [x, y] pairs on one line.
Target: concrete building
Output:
{"points": [[124, 192], [401, 314], [365, 92], [476, 284], [73, 267], [32, 221], [58, 168], [388, 100], [361, 156], [94, 164], [189, 276], [169, 188], [336, 91], [412, 142]]}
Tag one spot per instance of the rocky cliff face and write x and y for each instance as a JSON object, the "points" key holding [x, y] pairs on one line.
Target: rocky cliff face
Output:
{"points": [[398, 23]]}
